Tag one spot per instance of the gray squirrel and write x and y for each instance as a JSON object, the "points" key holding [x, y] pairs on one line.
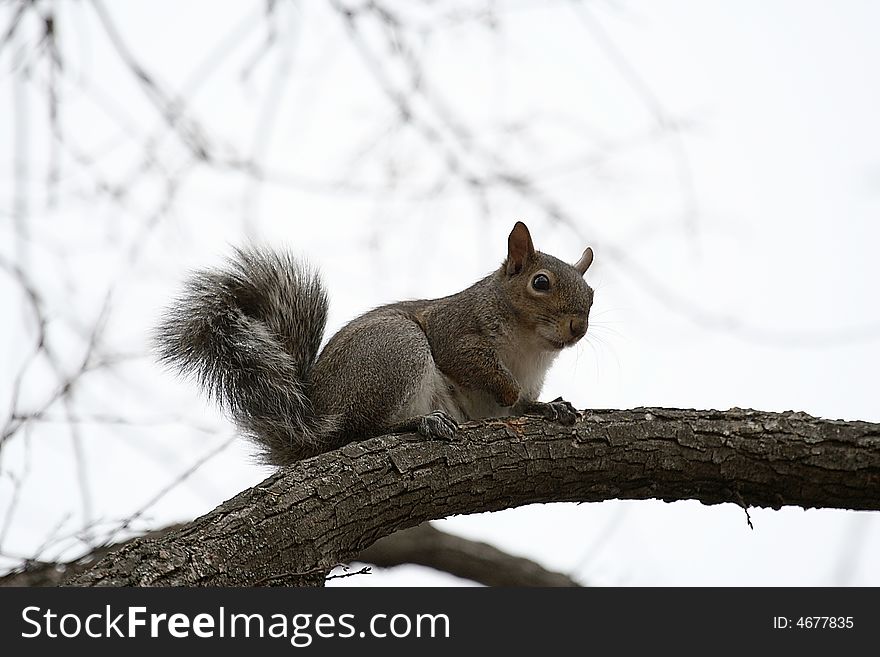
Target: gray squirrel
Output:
{"points": [[250, 334]]}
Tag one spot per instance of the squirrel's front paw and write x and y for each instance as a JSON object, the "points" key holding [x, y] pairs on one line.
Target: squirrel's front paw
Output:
{"points": [[561, 411], [557, 410], [437, 425]]}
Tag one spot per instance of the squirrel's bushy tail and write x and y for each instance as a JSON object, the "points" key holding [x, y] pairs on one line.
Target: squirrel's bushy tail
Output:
{"points": [[250, 333]]}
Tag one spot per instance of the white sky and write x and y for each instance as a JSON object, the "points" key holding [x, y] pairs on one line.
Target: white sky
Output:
{"points": [[776, 103]]}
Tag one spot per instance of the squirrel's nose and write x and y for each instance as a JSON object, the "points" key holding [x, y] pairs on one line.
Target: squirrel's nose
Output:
{"points": [[578, 327]]}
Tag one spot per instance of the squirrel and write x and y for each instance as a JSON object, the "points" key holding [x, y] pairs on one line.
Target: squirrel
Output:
{"points": [[250, 334]]}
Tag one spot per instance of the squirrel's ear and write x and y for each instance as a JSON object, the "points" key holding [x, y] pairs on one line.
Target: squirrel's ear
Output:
{"points": [[584, 263], [519, 248]]}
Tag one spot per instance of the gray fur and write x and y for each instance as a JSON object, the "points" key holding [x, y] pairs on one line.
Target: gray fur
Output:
{"points": [[373, 371], [249, 333]]}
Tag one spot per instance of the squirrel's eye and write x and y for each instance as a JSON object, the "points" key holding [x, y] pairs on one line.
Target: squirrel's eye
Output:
{"points": [[541, 283]]}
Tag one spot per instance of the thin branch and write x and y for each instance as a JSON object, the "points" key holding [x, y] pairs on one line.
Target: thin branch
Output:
{"points": [[426, 545], [684, 170]]}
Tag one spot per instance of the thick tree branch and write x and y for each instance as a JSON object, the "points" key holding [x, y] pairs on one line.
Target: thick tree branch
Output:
{"points": [[57, 573], [295, 526], [423, 545]]}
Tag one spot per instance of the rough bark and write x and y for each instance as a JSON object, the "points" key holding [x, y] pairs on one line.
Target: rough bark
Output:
{"points": [[58, 573], [300, 522], [423, 545]]}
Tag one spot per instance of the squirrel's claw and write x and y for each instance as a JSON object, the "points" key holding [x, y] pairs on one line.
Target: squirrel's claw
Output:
{"points": [[557, 410], [562, 411], [437, 425]]}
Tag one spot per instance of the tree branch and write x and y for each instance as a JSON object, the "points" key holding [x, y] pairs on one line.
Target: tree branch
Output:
{"points": [[428, 546], [423, 545], [300, 522], [35, 573]]}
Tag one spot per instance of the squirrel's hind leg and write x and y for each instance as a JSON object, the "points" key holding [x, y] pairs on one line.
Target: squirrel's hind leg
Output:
{"points": [[396, 386]]}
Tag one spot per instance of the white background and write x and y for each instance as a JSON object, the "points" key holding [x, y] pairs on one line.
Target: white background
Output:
{"points": [[721, 158]]}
